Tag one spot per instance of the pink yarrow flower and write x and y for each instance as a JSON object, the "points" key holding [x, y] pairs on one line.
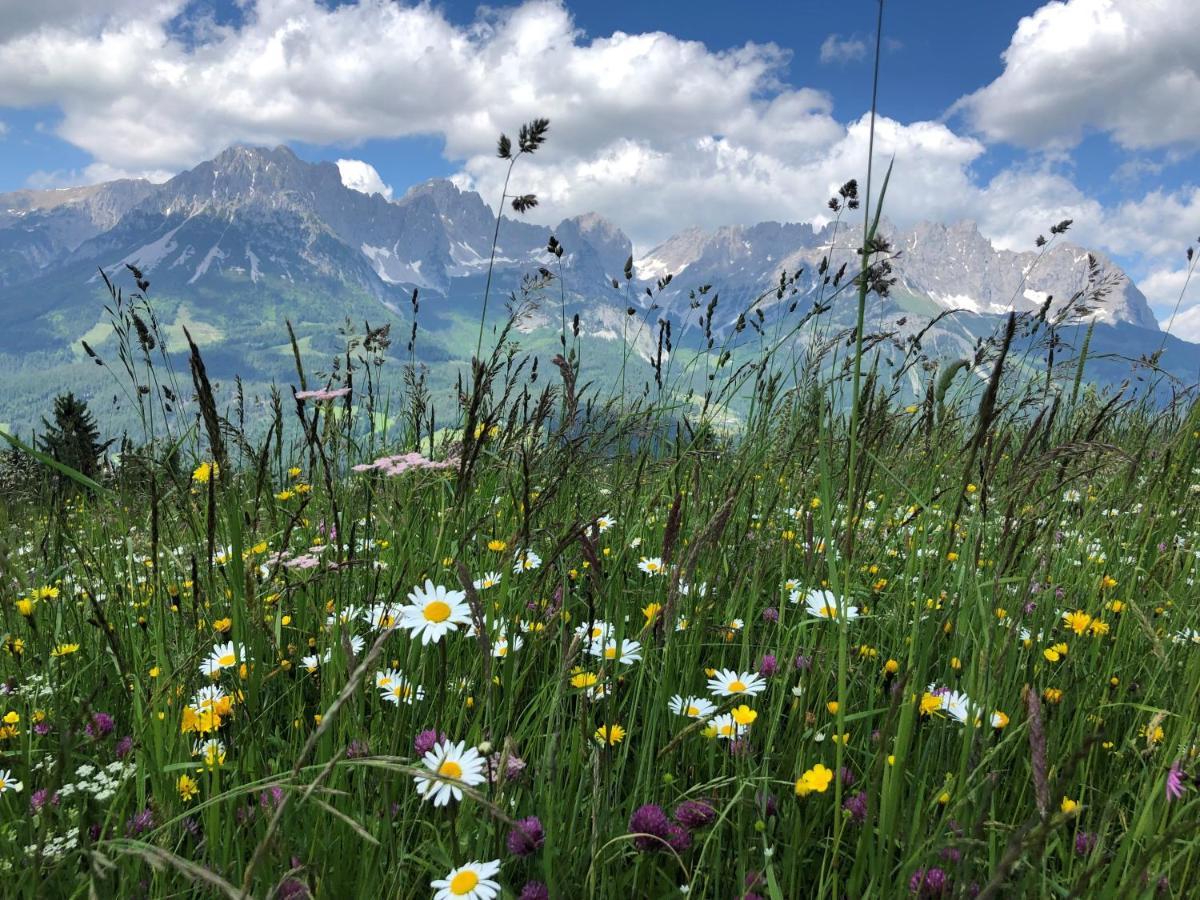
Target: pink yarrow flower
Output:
{"points": [[323, 394], [403, 462]]}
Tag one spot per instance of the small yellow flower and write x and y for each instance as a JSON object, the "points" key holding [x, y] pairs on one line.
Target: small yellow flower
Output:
{"points": [[815, 780], [930, 703], [187, 787], [1068, 806], [744, 715], [1077, 621], [891, 667], [204, 472], [64, 649], [222, 625], [497, 546], [25, 607], [1055, 653], [1108, 582], [610, 734], [832, 706], [651, 611], [12, 717]]}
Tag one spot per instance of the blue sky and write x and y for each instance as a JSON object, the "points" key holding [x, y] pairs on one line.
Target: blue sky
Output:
{"points": [[664, 114]]}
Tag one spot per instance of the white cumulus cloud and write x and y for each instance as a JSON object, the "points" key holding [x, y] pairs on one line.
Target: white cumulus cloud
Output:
{"points": [[655, 132], [362, 176], [1125, 67], [837, 49]]}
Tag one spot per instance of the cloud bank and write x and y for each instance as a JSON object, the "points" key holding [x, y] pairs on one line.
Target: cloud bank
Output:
{"points": [[652, 130]]}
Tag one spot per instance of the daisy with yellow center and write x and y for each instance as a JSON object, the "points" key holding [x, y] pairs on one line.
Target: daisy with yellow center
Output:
{"points": [[626, 652], [651, 565], [433, 611], [824, 605], [490, 580], [726, 728], [692, 707], [211, 751], [728, 683], [223, 656], [472, 881], [451, 766], [396, 689]]}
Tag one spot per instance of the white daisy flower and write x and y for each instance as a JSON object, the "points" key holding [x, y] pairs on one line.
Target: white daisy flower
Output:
{"points": [[7, 783], [382, 616], [344, 616], [395, 688], [728, 683], [727, 728], [489, 580], [603, 523], [626, 653], [472, 881], [824, 605], [209, 696], [211, 751], [451, 766], [525, 561], [692, 707], [651, 565], [502, 645], [433, 611], [594, 631], [223, 656], [955, 704]]}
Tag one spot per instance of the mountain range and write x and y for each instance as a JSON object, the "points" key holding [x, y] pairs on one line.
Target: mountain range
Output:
{"points": [[240, 243]]}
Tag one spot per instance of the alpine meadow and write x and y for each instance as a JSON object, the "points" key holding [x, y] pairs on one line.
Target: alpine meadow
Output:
{"points": [[834, 534]]}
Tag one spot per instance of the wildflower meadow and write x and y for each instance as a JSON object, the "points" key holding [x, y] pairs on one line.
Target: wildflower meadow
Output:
{"points": [[571, 641]]}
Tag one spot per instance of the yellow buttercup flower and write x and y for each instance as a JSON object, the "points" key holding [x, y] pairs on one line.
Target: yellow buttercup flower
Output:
{"points": [[744, 715], [815, 780]]}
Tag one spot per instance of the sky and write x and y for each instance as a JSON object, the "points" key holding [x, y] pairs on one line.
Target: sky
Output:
{"points": [[664, 115]]}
